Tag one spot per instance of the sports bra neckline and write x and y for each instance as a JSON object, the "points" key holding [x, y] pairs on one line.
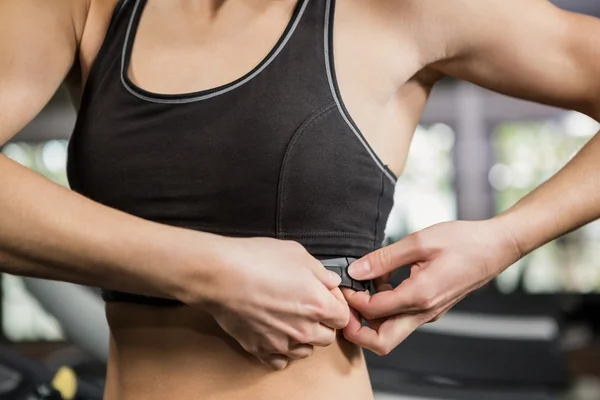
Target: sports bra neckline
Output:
{"points": [[205, 93]]}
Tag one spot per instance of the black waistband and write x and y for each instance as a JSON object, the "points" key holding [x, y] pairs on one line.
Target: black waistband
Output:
{"points": [[338, 265]]}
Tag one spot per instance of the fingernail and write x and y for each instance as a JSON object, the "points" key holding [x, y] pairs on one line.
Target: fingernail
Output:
{"points": [[359, 269], [334, 278]]}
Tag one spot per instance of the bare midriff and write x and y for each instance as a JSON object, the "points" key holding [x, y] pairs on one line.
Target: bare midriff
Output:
{"points": [[182, 353]]}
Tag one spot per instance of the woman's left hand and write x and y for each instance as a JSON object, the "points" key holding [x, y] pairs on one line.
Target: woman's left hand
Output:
{"points": [[447, 261]]}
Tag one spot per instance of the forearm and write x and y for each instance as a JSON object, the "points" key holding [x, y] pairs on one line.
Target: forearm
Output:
{"points": [[48, 231], [565, 202]]}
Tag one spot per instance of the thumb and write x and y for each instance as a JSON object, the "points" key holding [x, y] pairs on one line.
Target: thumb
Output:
{"points": [[386, 259]]}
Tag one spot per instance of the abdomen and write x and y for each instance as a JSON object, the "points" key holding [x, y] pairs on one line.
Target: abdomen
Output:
{"points": [[182, 353]]}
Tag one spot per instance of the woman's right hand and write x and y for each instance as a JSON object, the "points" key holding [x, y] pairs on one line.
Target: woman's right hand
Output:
{"points": [[276, 300]]}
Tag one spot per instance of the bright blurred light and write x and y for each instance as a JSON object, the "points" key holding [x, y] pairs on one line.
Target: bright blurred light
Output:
{"points": [[17, 152], [54, 155], [521, 153], [445, 136], [508, 281], [419, 141], [542, 276], [500, 177], [424, 194], [579, 125], [522, 175], [426, 209]]}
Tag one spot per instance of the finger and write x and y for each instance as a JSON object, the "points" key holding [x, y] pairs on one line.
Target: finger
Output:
{"points": [[412, 296], [331, 311], [446, 308], [355, 321], [275, 361], [382, 261], [337, 293], [382, 285], [385, 278], [347, 292], [322, 336], [388, 336], [300, 351]]}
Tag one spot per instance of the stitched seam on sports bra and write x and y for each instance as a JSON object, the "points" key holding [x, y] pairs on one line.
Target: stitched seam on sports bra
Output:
{"points": [[341, 233], [224, 230], [378, 211], [337, 99], [229, 88], [283, 172], [325, 236]]}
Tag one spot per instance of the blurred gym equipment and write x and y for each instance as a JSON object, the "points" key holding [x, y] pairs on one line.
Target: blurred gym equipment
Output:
{"points": [[489, 347], [79, 309], [22, 379]]}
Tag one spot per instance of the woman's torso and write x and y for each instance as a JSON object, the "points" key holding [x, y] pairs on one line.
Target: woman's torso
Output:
{"points": [[177, 352]]}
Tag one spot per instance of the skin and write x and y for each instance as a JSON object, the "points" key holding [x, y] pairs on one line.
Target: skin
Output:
{"points": [[227, 330]]}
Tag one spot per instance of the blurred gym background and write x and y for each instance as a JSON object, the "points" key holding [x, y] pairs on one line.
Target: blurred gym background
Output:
{"points": [[534, 333]]}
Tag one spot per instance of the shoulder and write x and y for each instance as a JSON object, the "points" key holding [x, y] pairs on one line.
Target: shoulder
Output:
{"points": [[464, 27], [449, 29], [419, 26]]}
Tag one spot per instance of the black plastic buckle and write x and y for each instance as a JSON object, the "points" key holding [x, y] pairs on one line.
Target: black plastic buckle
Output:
{"points": [[340, 266]]}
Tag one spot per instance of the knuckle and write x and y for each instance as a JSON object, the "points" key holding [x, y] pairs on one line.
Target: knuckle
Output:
{"points": [[277, 363], [426, 300], [420, 241], [251, 348], [295, 246], [368, 314], [383, 258], [350, 335], [309, 352], [300, 355], [425, 303], [382, 350], [319, 308], [281, 348], [272, 344], [329, 337], [306, 351], [302, 336], [343, 322], [435, 317]]}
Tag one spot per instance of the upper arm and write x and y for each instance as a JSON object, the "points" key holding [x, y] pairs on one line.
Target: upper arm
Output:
{"points": [[525, 48], [38, 46]]}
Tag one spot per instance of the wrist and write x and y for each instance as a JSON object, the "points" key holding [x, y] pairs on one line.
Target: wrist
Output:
{"points": [[527, 227], [198, 267], [507, 245]]}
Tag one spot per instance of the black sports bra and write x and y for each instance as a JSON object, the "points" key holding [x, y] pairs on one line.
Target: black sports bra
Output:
{"points": [[274, 153]]}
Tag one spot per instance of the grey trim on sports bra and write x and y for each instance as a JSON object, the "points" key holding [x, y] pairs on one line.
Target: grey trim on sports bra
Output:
{"points": [[189, 98]]}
